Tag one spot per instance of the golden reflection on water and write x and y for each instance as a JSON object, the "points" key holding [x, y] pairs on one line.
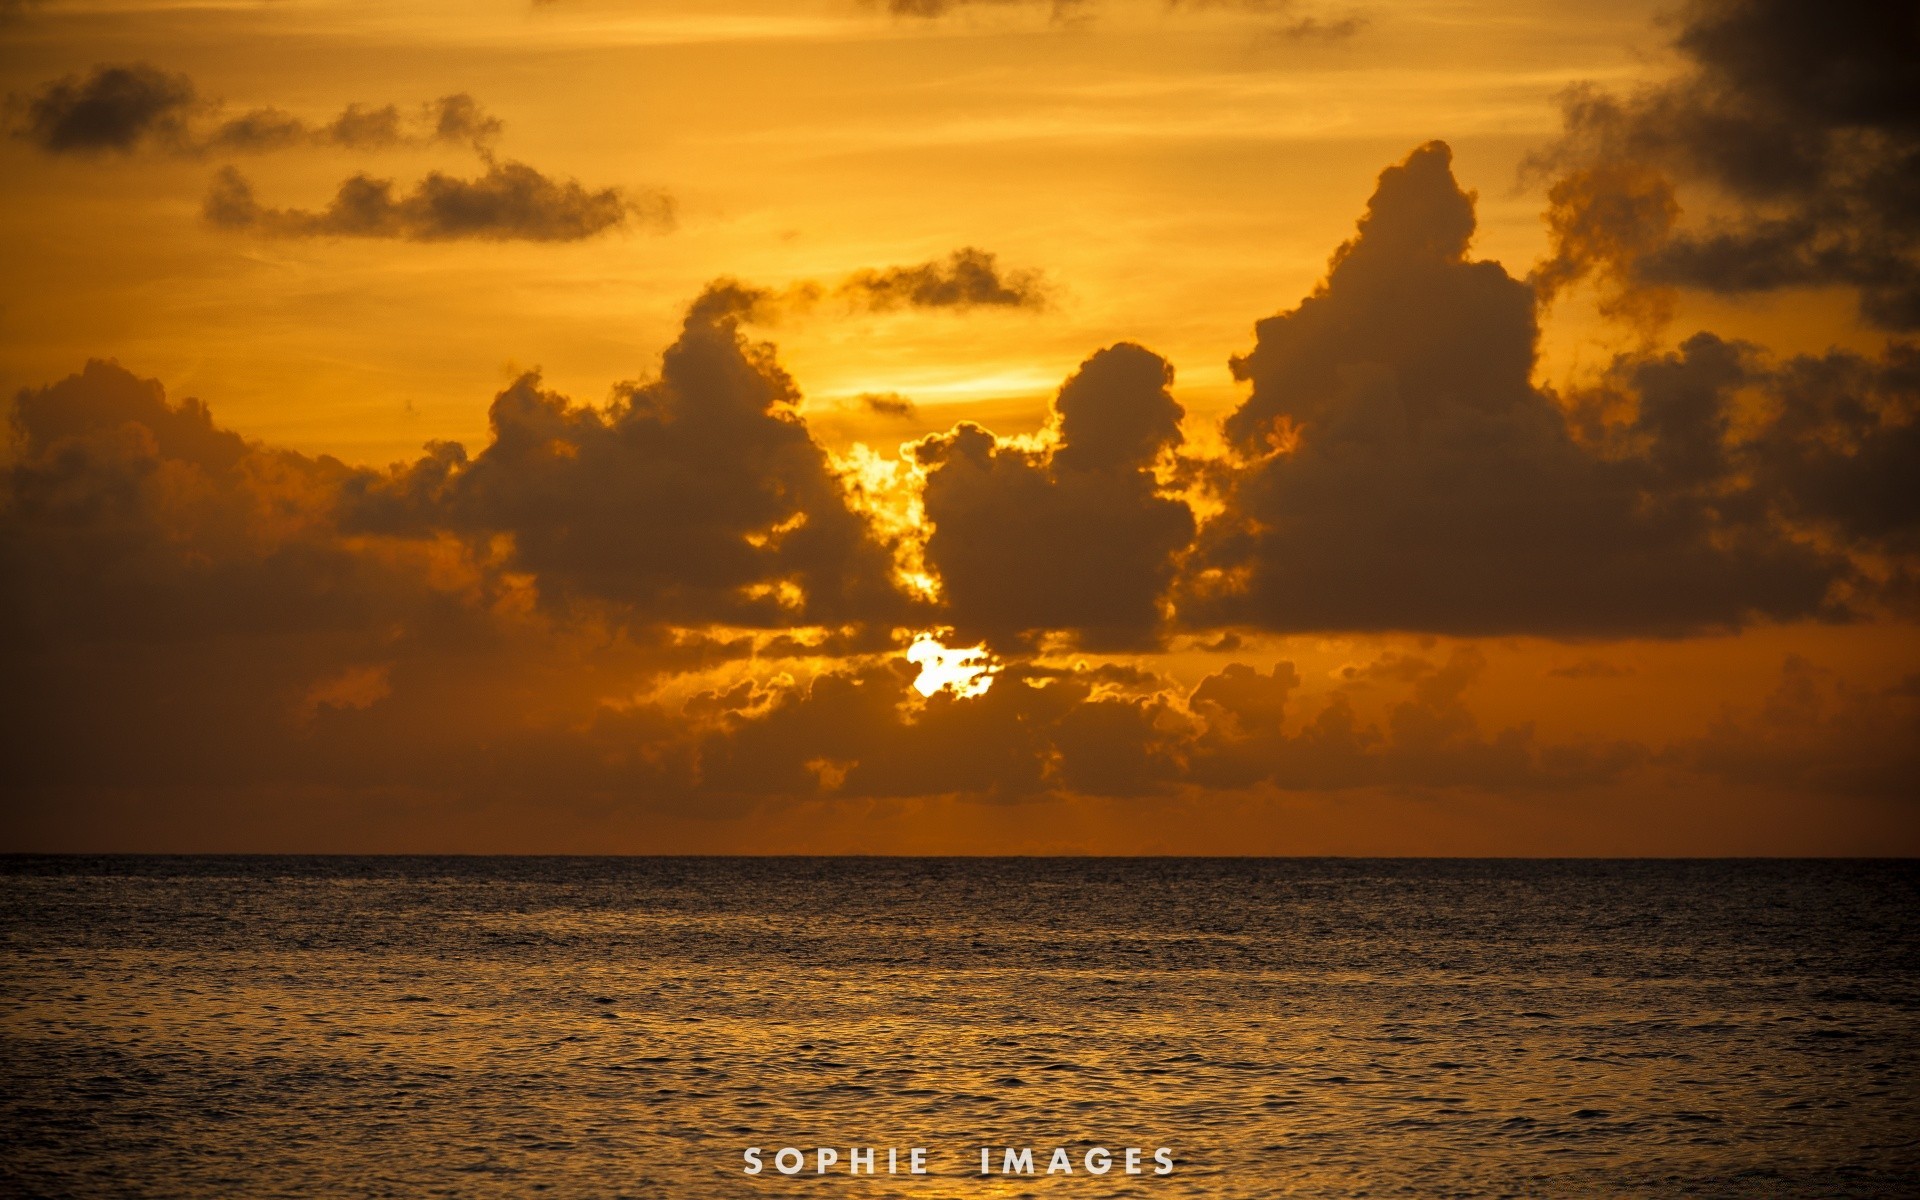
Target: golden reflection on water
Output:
{"points": [[597, 1029]]}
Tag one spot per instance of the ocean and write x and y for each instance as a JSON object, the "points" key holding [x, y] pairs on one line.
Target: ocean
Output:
{"points": [[578, 1027]]}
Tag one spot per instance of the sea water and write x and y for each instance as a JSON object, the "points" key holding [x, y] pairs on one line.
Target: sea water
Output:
{"points": [[257, 1027]]}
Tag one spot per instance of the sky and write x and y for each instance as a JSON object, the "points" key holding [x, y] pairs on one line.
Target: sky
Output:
{"points": [[960, 427]]}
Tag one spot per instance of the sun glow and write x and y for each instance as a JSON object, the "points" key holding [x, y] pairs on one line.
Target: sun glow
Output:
{"points": [[966, 671]]}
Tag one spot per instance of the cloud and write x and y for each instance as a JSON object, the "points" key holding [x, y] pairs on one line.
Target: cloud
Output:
{"points": [[1826, 452], [1814, 734], [1591, 668], [186, 609], [126, 514], [1799, 127], [1071, 12], [697, 498], [456, 119], [1041, 731], [967, 278], [512, 201], [679, 602], [862, 733], [1396, 469], [112, 108], [1074, 537], [135, 106]]}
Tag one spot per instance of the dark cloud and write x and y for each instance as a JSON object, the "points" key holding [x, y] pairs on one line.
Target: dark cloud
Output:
{"points": [[1844, 450], [456, 119], [967, 278], [110, 108], [1814, 734], [185, 609], [1428, 739], [512, 201], [1591, 668], [139, 106], [887, 404], [862, 733], [1075, 537], [1061, 10], [1801, 125], [1399, 470], [697, 498]]}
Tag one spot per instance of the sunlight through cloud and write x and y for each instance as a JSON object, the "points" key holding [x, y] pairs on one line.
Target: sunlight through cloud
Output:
{"points": [[965, 671]]}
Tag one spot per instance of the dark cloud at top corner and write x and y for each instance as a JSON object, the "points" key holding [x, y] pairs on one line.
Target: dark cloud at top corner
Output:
{"points": [[1803, 121]]}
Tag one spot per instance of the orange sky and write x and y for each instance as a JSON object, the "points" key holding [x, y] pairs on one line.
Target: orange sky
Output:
{"points": [[1562, 513]]}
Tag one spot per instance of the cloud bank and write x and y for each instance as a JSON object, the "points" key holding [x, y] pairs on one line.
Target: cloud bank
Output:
{"points": [[681, 601]]}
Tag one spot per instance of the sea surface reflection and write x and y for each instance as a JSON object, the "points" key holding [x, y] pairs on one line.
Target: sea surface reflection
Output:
{"points": [[626, 1027]]}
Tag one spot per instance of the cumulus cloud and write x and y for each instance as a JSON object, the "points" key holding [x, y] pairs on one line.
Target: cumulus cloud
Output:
{"points": [[125, 513], [699, 497], [511, 201], [186, 609], [1829, 452], [1076, 536], [1798, 126], [137, 106], [1282, 18], [680, 600], [1396, 468]]}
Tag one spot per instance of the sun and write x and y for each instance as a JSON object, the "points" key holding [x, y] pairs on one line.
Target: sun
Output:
{"points": [[965, 671]]}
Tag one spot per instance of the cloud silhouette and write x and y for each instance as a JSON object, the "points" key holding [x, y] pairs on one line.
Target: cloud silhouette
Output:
{"points": [[137, 106], [697, 498], [1397, 468], [680, 602], [967, 278], [111, 108], [1801, 126], [1076, 537], [510, 202]]}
